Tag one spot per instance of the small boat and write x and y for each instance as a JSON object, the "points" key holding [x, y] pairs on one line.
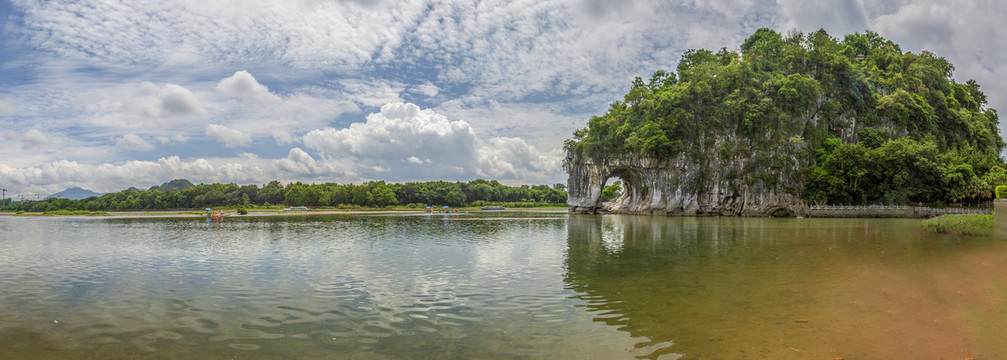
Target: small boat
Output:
{"points": [[296, 208]]}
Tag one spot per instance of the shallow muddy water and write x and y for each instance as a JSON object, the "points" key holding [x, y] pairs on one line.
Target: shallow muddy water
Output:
{"points": [[507, 285]]}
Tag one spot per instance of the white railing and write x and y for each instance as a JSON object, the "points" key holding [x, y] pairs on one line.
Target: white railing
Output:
{"points": [[857, 207], [942, 211], [915, 209]]}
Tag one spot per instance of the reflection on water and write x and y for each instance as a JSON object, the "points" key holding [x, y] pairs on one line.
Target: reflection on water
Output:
{"points": [[731, 288], [501, 285], [294, 287]]}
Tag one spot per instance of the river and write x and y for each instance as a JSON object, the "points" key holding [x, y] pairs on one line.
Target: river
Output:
{"points": [[496, 285]]}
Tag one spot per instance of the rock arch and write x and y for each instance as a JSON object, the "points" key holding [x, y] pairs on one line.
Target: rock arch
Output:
{"points": [[678, 186], [631, 188]]}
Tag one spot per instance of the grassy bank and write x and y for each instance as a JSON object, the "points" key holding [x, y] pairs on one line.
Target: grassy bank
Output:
{"points": [[63, 213], [965, 224]]}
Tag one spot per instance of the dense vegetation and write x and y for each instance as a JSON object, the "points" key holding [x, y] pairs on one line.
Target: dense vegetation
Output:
{"points": [[965, 224], [181, 194], [850, 121]]}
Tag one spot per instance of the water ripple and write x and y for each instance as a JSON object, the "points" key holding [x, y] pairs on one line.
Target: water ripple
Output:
{"points": [[311, 287]]}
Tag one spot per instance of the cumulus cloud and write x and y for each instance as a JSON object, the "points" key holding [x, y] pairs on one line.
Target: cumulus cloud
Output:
{"points": [[229, 137], [133, 142], [522, 75], [256, 110], [243, 84], [403, 141], [109, 177], [170, 100], [147, 105], [30, 140]]}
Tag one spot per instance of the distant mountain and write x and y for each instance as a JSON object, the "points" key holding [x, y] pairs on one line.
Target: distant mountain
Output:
{"points": [[177, 184], [74, 193]]}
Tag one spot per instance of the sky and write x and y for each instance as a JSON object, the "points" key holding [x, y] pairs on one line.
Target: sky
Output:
{"points": [[106, 94]]}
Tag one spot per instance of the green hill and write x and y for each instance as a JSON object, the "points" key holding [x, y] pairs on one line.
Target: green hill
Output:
{"points": [[177, 184], [840, 121]]}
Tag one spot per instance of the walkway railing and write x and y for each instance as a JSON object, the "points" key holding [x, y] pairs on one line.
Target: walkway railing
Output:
{"points": [[942, 211], [902, 210], [857, 207]]}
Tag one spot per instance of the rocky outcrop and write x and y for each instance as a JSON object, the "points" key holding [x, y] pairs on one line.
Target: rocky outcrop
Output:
{"points": [[677, 186]]}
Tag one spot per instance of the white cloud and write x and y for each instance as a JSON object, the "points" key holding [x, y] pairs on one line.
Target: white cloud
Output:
{"points": [[257, 111], [147, 106], [133, 142], [514, 78], [300, 34], [416, 160], [298, 162], [543, 125], [229, 137], [6, 108], [30, 140], [428, 89], [404, 142], [173, 138], [373, 92], [243, 84], [837, 17], [110, 177], [178, 101], [89, 117]]}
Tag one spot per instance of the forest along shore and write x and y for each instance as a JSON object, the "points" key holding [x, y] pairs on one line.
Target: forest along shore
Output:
{"points": [[191, 213]]}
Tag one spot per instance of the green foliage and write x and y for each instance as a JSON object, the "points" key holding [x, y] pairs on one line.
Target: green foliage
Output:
{"points": [[374, 194], [1001, 192], [612, 191], [242, 211], [899, 171], [965, 224], [177, 184], [870, 138], [73, 212], [850, 121]]}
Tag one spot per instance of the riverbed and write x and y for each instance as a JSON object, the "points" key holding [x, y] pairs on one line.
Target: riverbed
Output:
{"points": [[500, 285]]}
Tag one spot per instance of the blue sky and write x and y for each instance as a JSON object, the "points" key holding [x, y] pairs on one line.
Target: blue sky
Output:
{"points": [[111, 94]]}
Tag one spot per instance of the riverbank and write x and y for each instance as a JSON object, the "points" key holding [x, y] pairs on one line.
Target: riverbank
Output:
{"points": [[233, 212]]}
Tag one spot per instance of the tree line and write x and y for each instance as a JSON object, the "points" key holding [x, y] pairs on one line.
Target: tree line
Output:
{"points": [[180, 194]]}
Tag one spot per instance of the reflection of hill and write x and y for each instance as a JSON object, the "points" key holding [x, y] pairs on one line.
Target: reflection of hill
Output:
{"points": [[658, 278], [726, 287]]}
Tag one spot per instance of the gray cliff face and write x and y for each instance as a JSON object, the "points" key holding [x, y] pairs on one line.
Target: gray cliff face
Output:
{"points": [[677, 186]]}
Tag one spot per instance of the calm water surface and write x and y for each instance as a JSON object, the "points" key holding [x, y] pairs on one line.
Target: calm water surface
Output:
{"points": [[511, 285]]}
